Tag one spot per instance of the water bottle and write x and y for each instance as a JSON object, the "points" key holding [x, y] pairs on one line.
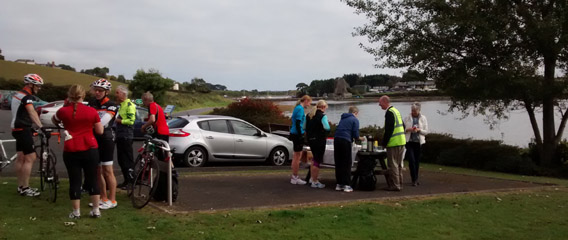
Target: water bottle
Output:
{"points": [[364, 144], [370, 143]]}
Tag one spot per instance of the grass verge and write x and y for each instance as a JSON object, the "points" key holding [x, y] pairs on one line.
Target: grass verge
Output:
{"points": [[535, 214], [187, 101]]}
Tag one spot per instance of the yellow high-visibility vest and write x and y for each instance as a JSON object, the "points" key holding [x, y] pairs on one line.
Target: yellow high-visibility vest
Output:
{"points": [[397, 138]]}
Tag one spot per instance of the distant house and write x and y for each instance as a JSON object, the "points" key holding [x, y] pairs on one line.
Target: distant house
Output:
{"points": [[175, 87], [416, 85], [378, 89], [48, 64], [26, 61]]}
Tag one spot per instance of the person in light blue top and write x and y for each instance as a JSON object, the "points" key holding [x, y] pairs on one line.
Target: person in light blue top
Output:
{"points": [[317, 128], [297, 136]]}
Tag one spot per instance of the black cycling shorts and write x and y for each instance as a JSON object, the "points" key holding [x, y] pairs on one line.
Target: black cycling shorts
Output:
{"points": [[24, 141], [298, 141], [106, 151]]}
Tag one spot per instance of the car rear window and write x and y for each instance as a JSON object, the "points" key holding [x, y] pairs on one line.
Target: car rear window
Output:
{"points": [[203, 125], [218, 126], [177, 123]]}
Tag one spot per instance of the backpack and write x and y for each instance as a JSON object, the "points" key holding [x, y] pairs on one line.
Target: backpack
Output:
{"points": [[161, 193], [364, 175]]}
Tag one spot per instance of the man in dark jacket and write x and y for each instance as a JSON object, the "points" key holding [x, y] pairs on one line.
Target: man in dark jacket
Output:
{"points": [[394, 141]]}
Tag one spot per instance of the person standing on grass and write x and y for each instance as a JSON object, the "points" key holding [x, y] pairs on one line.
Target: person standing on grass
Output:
{"points": [[415, 132], [23, 116], [80, 153], [394, 141], [347, 130], [317, 128], [106, 109], [124, 134], [297, 136]]}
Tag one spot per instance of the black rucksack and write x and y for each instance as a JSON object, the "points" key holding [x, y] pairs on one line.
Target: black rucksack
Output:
{"points": [[161, 193], [364, 175]]}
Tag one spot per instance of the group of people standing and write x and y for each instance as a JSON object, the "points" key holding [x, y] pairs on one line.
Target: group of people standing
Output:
{"points": [[401, 136], [93, 130]]}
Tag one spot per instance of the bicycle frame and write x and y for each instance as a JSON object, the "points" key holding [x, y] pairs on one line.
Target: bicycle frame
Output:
{"points": [[7, 161]]}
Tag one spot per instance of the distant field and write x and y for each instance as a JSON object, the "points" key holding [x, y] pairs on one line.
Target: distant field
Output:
{"points": [[12, 70]]}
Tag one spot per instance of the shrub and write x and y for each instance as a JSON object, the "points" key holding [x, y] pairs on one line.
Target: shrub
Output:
{"points": [[478, 154], [258, 112]]}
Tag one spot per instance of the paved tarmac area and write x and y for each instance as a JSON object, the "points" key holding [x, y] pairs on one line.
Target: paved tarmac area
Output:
{"points": [[226, 191]]}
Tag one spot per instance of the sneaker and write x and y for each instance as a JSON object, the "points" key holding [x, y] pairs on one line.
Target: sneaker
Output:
{"points": [[348, 189], [29, 192], [297, 180], [19, 190], [94, 214], [104, 205], [339, 187], [73, 216], [318, 185]]}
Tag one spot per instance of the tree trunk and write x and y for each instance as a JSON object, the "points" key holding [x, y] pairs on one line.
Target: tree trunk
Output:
{"points": [[537, 137], [548, 129]]}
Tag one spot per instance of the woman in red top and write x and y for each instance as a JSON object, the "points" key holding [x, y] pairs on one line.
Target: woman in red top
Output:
{"points": [[80, 150]]}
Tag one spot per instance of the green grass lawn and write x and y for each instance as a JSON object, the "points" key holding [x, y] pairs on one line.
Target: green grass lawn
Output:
{"points": [[11, 70], [535, 214]]}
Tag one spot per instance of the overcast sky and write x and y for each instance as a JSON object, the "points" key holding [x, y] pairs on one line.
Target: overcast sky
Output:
{"points": [[242, 44]]}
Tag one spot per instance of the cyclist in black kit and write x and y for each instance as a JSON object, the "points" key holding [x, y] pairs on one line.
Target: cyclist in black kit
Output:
{"points": [[23, 115], [107, 110]]}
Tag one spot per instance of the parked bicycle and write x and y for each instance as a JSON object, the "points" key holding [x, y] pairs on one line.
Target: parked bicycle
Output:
{"points": [[147, 170], [49, 179], [4, 159]]}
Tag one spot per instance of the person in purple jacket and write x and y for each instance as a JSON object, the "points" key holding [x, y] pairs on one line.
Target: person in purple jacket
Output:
{"points": [[347, 130]]}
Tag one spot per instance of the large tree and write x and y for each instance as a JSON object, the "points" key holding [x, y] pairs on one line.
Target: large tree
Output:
{"points": [[489, 55], [150, 81]]}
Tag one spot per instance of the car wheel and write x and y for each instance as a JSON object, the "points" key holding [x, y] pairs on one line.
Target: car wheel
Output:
{"points": [[195, 157], [278, 156]]}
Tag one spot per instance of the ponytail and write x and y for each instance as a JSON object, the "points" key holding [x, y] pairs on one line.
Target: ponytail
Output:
{"points": [[75, 94]]}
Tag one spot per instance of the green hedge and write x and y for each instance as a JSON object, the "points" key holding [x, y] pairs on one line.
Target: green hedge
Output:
{"points": [[478, 154]]}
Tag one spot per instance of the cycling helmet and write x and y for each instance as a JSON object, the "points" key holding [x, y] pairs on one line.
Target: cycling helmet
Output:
{"points": [[33, 79], [102, 83], [149, 129]]}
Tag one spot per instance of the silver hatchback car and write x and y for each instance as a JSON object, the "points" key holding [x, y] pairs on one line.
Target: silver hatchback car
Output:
{"points": [[199, 139]]}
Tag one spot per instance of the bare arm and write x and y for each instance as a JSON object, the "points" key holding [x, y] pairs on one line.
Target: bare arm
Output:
{"points": [[151, 120], [99, 128], [33, 115]]}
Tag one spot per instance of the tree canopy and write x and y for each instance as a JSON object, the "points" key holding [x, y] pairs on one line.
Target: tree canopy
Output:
{"points": [[489, 56], [150, 81]]}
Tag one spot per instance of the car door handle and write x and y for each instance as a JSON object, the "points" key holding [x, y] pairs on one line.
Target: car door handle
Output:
{"points": [[239, 140], [209, 137]]}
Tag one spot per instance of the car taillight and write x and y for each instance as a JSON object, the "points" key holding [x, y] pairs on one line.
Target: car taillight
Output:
{"points": [[178, 133]]}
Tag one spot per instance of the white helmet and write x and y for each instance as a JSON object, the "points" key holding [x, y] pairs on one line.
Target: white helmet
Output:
{"points": [[102, 83], [33, 79]]}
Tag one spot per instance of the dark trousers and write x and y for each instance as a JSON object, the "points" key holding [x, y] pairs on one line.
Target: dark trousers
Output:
{"points": [[342, 155], [317, 147], [78, 163], [125, 157], [413, 156]]}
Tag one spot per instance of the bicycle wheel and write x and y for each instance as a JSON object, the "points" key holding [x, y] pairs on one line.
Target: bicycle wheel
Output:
{"points": [[41, 168], [145, 183], [51, 177], [138, 163], [3, 162]]}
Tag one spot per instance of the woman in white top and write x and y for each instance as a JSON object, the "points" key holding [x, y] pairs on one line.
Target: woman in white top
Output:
{"points": [[415, 132]]}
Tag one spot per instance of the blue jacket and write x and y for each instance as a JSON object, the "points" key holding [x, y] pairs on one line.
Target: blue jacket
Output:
{"points": [[348, 127]]}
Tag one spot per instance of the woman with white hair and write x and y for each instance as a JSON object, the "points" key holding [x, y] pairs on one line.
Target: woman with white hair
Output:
{"points": [[415, 132]]}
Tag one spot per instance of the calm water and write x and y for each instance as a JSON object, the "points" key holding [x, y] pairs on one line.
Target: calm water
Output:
{"points": [[515, 131]]}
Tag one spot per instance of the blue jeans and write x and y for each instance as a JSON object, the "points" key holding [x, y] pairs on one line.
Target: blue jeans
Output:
{"points": [[413, 156]]}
